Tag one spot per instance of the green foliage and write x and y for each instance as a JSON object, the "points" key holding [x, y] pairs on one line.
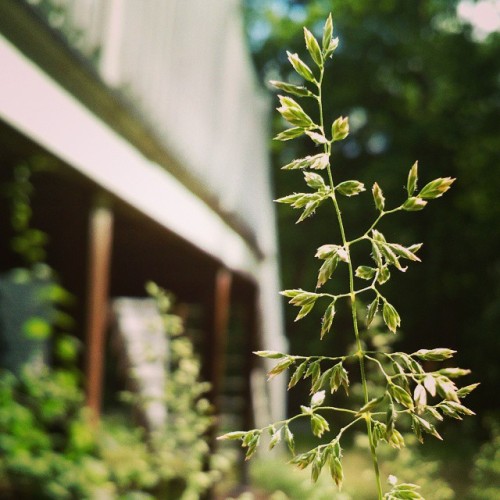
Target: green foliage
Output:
{"points": [[50, 446], [411, 388], [181, 452], [273, 475], [486, 470], [29, 243]]}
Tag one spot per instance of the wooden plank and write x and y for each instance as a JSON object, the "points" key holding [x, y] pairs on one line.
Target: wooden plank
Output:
{"points": [[100, 247], [222, 302]]}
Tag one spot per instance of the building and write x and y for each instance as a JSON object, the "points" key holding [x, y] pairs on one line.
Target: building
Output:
{"points": [[152, 112]]}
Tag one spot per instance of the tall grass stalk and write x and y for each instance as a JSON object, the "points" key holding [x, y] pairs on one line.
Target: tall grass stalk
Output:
{"points": [[408, 391]]}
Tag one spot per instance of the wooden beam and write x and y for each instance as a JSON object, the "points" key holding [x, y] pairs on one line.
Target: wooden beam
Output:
{"points": [[100, 247], [222, 302]]}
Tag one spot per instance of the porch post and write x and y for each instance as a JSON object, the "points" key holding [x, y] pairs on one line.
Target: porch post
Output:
{"points": [[222, 301], [99, 253]]}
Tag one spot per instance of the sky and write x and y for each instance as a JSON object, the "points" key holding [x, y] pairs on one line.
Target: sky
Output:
{"points": [[484, 16]]}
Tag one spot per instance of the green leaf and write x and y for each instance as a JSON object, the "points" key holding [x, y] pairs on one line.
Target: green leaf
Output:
{"points": [[316, 466], [395, 439], [293, 113], [454, 372], [275, 439], [304, 311], [231, 436], [327, 33], [365, 272], [420, 397], [340, 128], [326, 251], [447, 389], [317, 138], [455, 406], [310, 209], [294, 199], [304, 459], [401, 396], [414, 204], [378, 236], [314, 181], [301, 67], [67, 348], [390, 256], [313, 47], [372, 311], [404, 491], [252, 446], [297, 90], [411, 185], [319, 425], [419, 422], [334, 43], [316, 162], [323, 381], [377, 255], [391, 317], [438, 354], [410, 364], [379, 431], [280, 367], [326, 322], [313, 371], [390, 416], [384, 275], [298, 374], [270, 354], [336, 471], [378, 197], [371, 405], [320, 162], [434, 413], [339, 378], [404, 252], [436, 188], [37, 328], [430, 384], [465, 391], [289, 134], [289, 439], [299, 297], [326, 270], [350, 188]]}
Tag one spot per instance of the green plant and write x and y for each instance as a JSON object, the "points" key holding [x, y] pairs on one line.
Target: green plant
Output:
{"points": [[486, 469], [180, 448], [50, 447], [412, 388], [271, 475]]}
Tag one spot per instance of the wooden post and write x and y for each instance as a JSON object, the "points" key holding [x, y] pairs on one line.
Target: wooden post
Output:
{"points": [[100, 245], [222, 301], [252, 331]]}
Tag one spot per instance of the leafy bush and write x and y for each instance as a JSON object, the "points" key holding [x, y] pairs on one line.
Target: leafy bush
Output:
{"points": [[50, 445], [486, 471]]}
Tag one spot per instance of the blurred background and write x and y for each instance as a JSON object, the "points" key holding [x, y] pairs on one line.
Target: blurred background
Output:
{"points": [[135, 146]]}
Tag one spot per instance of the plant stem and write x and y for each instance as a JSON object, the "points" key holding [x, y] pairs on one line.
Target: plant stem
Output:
{"points": [[361, 354], [359, 346]]}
